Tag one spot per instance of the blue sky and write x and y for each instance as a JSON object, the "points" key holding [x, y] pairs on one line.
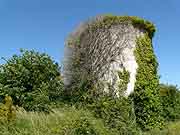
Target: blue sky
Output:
{"points": [[44, 25]]}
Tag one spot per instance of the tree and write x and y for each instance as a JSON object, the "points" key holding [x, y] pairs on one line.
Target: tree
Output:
{"points": [[170, 98], [32, 79]]}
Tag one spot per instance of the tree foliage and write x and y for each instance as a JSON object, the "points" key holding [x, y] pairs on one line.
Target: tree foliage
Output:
{"points": [[170, 99], [32, 79]]}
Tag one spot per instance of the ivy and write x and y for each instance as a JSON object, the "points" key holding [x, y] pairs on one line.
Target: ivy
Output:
{"points": [[109, 20], [146, 96], [76, 64], [124, 79]]}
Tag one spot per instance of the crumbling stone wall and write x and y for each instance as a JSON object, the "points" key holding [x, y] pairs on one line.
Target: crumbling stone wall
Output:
{"points": [[100, 49]]}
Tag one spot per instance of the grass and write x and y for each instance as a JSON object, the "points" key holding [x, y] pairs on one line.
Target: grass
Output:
{"points": [[66, 121], [172, 128]]}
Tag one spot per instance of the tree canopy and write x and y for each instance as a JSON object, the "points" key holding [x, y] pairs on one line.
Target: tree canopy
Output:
{"points": [[32, 79]]}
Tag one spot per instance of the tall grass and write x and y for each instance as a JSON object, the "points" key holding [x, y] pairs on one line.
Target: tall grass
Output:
{"points": [[66, 121], [172, 128]]}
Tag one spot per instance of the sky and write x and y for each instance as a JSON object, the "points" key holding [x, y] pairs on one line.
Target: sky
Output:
{"points": [[44, 25]]}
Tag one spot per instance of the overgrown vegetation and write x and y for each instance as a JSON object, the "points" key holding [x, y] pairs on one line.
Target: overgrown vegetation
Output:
{"points": [[146, 97], [89, 112], [124, 79], [117, 114], [82, 65], [34, 82], [110, 20], [172, 128], [32, 79], [170, 99], [7, 111], [65, 121]]}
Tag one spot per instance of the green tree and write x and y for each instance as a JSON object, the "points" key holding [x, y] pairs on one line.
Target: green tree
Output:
{"points": [[170, 98], [32, 79]]}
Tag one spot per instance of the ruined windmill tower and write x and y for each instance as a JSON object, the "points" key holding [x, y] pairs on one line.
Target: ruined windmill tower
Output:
{"points": [[105, 50]]}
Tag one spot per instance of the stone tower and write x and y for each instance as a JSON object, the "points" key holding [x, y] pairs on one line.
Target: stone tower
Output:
{"points": [[103, 49]]}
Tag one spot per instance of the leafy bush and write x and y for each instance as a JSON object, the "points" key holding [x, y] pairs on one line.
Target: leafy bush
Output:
{"points": [[170, 98], [7, 110], [117, 114], [32, 79]]}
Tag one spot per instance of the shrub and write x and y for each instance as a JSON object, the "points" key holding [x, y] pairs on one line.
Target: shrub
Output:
{"points": [[170, 99], [7, 110], [117, 114], [32, 79]]}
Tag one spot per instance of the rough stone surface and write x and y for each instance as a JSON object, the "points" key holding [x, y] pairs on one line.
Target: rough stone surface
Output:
{"points": [[104, 53], [121, 56]]}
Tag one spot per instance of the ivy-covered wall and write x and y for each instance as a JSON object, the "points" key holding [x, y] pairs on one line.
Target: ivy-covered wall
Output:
{"points": [[101, 48], [146, 95], [115, 55]]}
